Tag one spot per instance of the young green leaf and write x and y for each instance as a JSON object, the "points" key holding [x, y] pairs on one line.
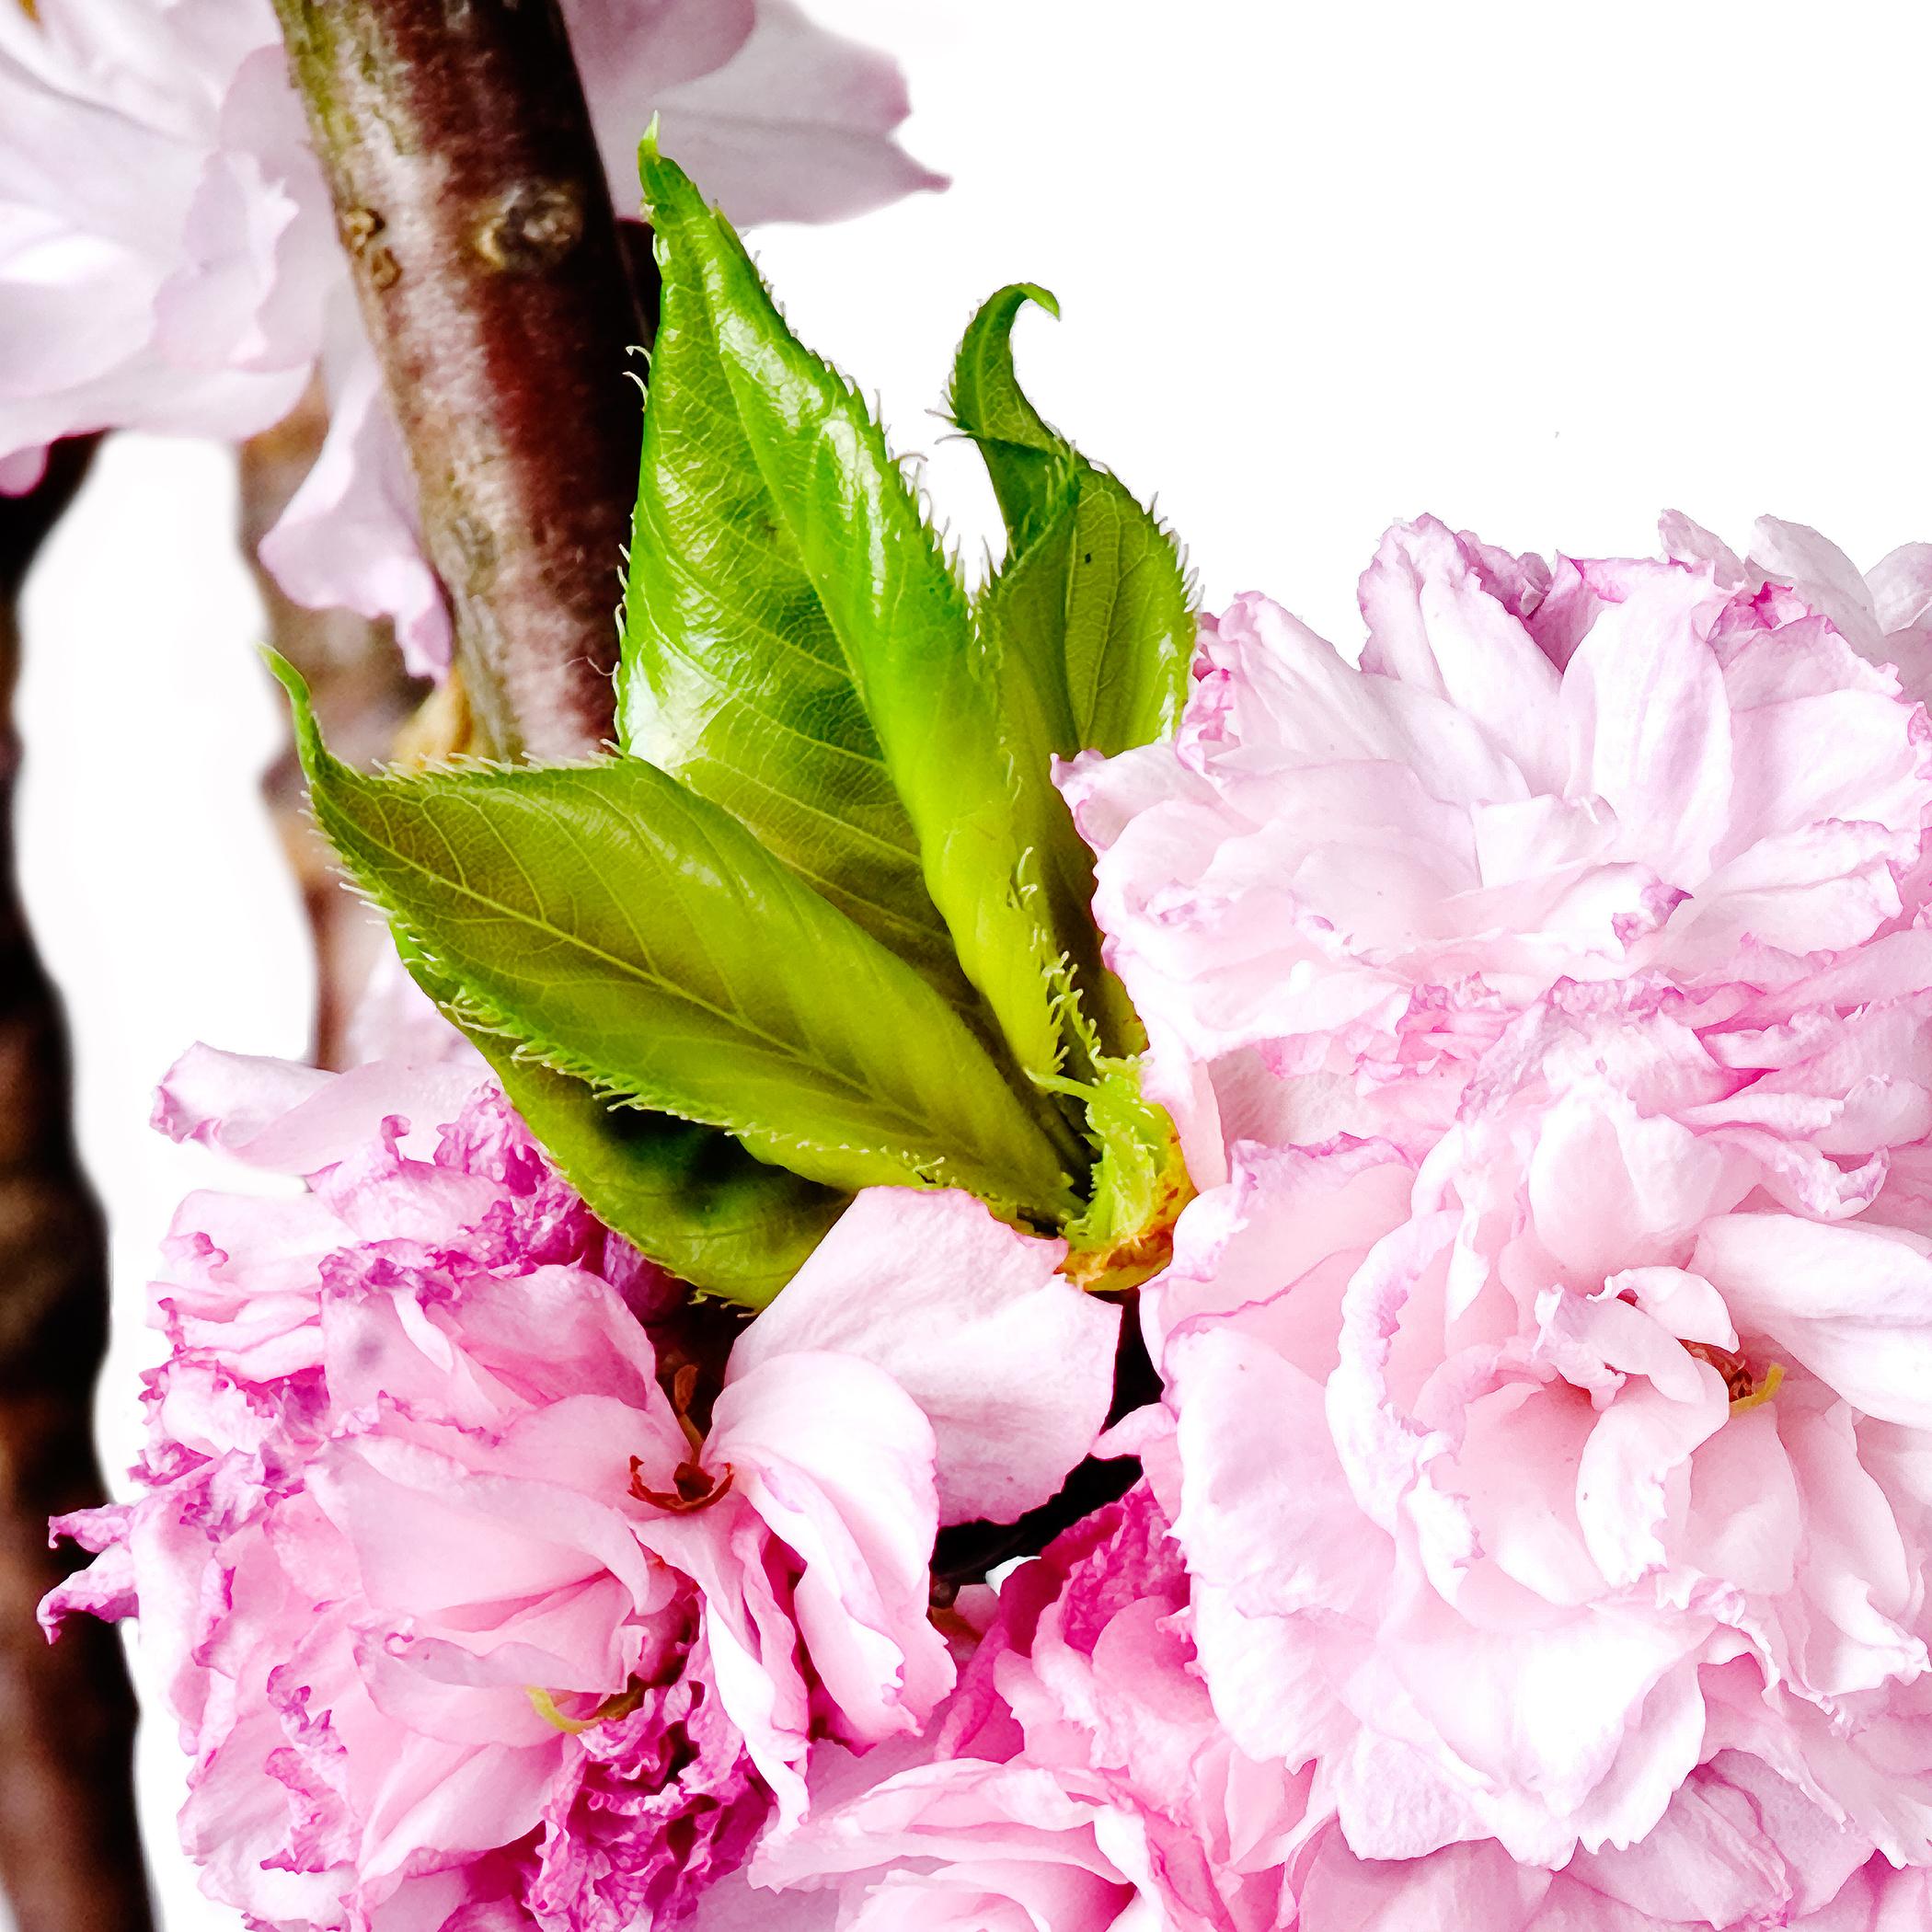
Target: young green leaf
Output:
{"points": [[687, 1196], [1031, 464], [1122, 638], [798, 647], [1140, 1184], [616, 927], [1020, 606]]}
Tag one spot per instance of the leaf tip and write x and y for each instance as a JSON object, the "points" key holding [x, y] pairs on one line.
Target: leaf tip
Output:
{"points": [[308, 736], [667, 188], [285, 674], [985, 395], [319, 765], [1039, 298]]}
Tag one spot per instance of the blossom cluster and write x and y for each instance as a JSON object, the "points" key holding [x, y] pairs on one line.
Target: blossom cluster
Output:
{"points": [[1532, 1526], [1544, 999], [468, 1614], [169, 259]]}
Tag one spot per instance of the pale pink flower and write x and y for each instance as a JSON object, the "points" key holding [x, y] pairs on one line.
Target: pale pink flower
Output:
{"points": [[776, 119], [1545, 1423], [139, 176], [1010, 1361], [1740, 1850], [1884, 613], [347, 538], [1516, 1482], [168, 256], [1340, 884], [416, 1511]]}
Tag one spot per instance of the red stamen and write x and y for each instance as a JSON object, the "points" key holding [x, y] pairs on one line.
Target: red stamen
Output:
{"points": [[693, 1487], [697, 1488]]}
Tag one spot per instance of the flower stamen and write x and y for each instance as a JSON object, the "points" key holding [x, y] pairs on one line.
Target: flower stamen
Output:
{"points": [[1763, 1393], [619, 1704], [1745, 1389], [693, 1487]]}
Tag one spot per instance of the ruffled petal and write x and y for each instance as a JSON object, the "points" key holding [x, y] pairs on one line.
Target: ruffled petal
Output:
{"points": [[1012, 1364]]}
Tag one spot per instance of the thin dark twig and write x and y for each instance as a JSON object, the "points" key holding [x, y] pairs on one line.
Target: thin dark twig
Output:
{"points": [[70, 1854]]}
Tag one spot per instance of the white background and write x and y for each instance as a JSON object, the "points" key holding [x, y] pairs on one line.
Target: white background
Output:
{"points": [[1542, 268]]}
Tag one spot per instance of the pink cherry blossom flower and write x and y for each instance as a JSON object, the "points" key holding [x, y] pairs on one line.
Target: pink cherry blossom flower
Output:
{"points": [[1739, 1850], [1547, 1003], [168, 256], [1011, 1364], [1516, 1481], [133, 184], [456, 1607], [1340, 884], [1884, 613]]}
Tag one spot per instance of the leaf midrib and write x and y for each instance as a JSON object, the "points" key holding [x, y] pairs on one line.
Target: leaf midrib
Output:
{"points": [[734, 384], [626, 969], [1084, 720]]}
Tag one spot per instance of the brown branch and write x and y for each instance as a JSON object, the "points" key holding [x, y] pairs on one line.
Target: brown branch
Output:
{"points": [[70, 1856], [468, 191]]}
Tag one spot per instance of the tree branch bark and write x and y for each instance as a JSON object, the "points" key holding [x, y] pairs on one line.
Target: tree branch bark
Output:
{"points": [[469, 194], [69, 1856]]}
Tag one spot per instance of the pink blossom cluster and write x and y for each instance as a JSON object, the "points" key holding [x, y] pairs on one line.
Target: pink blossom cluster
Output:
{"points": [[470, 1616], [1532, 1529], [1537, 1508], [168, 259]]}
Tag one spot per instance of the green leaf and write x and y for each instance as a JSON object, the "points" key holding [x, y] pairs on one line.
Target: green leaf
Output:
{"points": [[687, 1196], [1031, 464], [798, 647], [1121, 637], [1020, 606], [616, 927]]}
